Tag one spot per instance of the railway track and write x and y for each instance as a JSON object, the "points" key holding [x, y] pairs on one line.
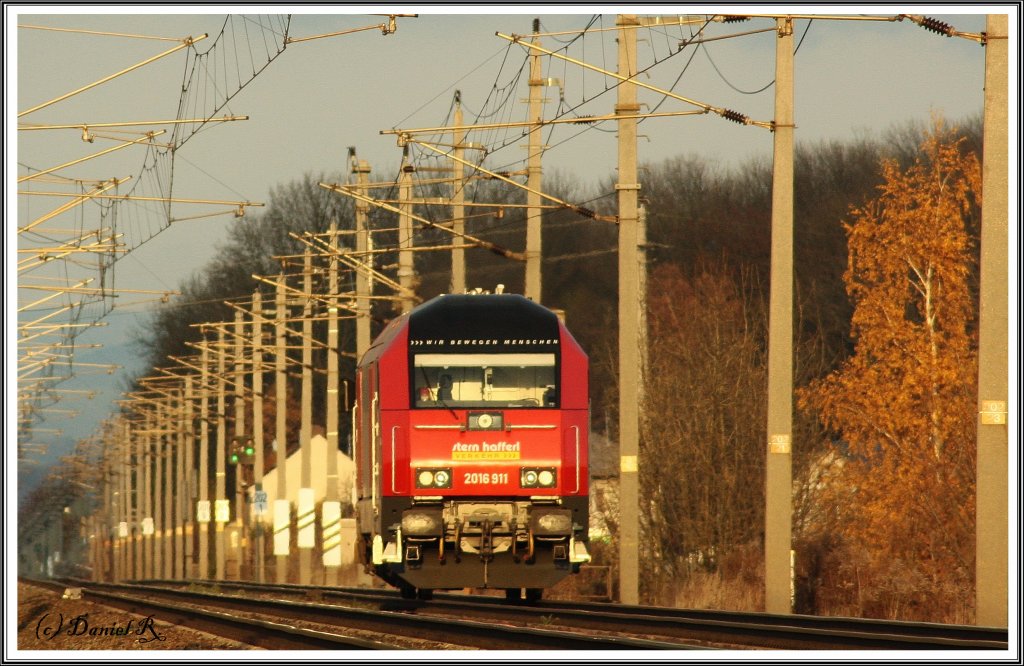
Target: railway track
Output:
{"points": [[257, 632], [686, 628], [398, 621]]}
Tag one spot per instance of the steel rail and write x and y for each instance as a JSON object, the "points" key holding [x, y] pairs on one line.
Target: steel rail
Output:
{"points": [[398, 621], [754, 629], [259, 633]]}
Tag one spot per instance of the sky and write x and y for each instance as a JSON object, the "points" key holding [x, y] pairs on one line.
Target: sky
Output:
{"points": [[321, 96]]}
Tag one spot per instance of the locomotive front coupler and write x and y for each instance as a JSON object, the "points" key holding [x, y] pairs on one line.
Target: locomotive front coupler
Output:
{"points": [[486, 540]]}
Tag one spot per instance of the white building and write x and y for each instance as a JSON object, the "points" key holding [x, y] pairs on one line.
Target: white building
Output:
{"points": [[318, 474]]}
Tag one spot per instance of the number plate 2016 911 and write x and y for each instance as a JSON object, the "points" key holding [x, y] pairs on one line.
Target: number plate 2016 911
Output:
{"points": [[485, 478]]}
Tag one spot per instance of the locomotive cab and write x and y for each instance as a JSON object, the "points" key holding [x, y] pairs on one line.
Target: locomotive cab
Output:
{"points": [[471, 430]]}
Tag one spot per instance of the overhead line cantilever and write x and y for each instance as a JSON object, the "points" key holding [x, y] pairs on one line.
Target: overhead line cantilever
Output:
{"points": [[188, 41], [479, 242], [130, 123], [82, 198], [149, 137], [541, 123], [585, 212], [728, 114]]}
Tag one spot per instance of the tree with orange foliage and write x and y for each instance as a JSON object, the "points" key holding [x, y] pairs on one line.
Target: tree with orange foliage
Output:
{"points": [[902, 405]]}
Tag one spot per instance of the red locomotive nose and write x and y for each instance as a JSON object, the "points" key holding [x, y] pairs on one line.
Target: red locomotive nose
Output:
{"points": [[471, 447]]}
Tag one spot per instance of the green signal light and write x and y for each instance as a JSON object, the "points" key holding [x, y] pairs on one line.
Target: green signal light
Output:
{"points": [[249, 450], [234, 458]]}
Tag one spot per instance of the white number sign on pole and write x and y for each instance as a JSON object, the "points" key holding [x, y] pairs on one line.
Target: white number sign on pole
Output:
{"points": [[259, 503], [203, 511], [222, 511]]}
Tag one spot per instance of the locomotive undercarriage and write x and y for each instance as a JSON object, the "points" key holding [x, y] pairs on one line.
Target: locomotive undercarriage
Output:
{"points": [[495, 544]]}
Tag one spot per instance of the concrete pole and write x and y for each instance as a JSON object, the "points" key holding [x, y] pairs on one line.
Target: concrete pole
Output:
{"points": [[533, 289], [641, 278], [189, 482], [146, 444], [124, 485], [138, 506], [778, 468], [630, 308], [96, 543], [239, 397], [329, 522], [105, 556], [204, 463], [364, 287], [103, 568], [406, 268], [992, 601], [158, 490], [221, 454], [257, 426], [458, 285], [238, 401], [281, 389], [181, 487], [306, 517], [109, 518], [106, 524], [133, 511], [117, 498], [170, 491], [128, 514]]}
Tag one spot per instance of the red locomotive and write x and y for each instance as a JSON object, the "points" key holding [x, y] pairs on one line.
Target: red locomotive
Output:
{"points": [[471, 448]]}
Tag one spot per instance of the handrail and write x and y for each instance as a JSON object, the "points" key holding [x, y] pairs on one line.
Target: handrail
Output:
{"points": [[373, 452], [394, 460], [577, 431]]}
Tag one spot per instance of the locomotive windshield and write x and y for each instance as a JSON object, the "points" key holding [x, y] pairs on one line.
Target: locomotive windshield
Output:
{"points": [[485, 380]]}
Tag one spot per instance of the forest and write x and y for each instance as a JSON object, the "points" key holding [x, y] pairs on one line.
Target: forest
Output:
{"points": [[886, 256]]}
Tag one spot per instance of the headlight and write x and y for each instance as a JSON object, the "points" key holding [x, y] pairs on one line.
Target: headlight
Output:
{"points": [[537, 477], [433, 478]]}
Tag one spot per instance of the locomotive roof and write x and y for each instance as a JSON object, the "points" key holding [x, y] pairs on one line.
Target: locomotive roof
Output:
{"points": [[482, 316]]}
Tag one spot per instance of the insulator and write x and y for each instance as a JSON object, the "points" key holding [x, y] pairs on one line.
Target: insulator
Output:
{"points": [[935, 25], [734, 116], [536, 25], [734, 19], [583, 120], [585, 212]]}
